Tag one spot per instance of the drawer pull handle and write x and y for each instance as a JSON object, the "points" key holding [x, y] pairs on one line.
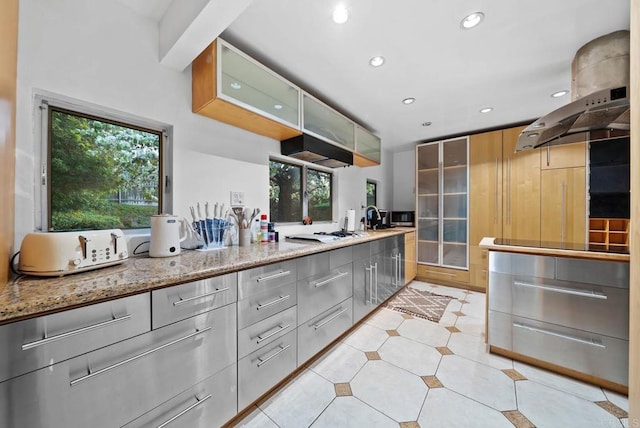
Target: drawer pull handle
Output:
{"points": [[71, 333], [280, 328], [273, 302], [274, 276], [198, 402], [329, 319], [137, 357], [191, 299], [262, 361], [562, 290], [333, 278], [591, 342]]}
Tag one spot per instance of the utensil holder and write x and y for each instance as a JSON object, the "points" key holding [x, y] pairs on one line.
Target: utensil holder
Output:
{"points": [[244, 237]]}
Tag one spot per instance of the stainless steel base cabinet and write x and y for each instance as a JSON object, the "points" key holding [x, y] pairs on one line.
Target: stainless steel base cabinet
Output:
{"points": [[116, 384], [210, 403], [318, 332], [264, 368]]}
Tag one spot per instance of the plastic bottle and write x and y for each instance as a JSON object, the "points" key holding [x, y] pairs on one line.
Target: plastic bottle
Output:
{"points": [[264, 228], [255, 231]]}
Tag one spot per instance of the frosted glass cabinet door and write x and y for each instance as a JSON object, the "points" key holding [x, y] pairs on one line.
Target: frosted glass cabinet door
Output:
{"points": [[367, 144], [248, 84], [323, 121]]}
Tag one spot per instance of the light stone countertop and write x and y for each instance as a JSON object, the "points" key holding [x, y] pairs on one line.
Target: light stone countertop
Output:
{"points": [[28, 296]]}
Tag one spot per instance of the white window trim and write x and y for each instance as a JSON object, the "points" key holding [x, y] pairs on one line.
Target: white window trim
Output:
{"points": [[303, 184], [42, 101]]}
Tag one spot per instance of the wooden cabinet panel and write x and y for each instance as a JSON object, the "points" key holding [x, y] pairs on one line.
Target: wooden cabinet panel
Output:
{"points": [[521, 181], [564, 156], [410, 261], [563, 205], [205, 101]]}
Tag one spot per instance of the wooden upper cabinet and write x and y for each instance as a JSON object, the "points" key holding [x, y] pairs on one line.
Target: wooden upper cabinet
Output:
{"points": [[570, 155], [563, 205], [367, 148], [230, 87], [521, 184]]}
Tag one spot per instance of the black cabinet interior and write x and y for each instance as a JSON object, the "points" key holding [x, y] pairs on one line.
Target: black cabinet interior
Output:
{"points": [[609, 178]]}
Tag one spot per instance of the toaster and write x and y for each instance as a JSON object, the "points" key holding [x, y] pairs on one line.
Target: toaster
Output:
{"points": [[62, 253]]}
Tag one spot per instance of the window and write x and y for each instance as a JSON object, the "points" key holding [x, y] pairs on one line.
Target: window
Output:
{"points": [[372, 193], [296, 191], [100, 172]]}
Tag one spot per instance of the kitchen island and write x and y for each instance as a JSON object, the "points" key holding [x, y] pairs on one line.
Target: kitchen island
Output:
{"points": [[199, 336], [562, 307]]}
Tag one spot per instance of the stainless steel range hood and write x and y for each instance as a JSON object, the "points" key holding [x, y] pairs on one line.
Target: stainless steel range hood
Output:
{"points": [[311, 149], [600, 69]]}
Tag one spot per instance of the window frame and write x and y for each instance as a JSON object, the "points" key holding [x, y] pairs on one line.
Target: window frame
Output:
{"points": [[375, 192], [305, 166], [46, 103]]}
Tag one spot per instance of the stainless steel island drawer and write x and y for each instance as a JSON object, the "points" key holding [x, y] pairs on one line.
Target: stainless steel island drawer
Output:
{"points": [[320, 292], [593, 354], [318, 332], [264, 368], [180, 302], [590, 307], [113, 385], [38, 342], [210, 403]]}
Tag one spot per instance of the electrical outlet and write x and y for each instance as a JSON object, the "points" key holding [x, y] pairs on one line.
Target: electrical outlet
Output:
{"points": [[237, 199]]}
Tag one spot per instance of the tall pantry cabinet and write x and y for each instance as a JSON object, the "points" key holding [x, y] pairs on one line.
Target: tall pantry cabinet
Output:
{"points": [[532, 195]]}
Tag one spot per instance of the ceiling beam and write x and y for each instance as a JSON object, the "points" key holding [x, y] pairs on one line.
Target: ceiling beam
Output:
{"points": [[188, 27]]}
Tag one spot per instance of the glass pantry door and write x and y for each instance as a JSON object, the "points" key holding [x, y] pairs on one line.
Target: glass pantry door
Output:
{"points": [[442, 175]]}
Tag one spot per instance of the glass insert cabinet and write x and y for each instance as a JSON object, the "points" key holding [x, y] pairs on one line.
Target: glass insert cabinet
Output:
{"points": [[442, 200]]}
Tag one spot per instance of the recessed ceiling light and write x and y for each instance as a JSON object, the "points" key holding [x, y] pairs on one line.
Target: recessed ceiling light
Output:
{"points": [[426, 123], [408, 100], [471, 20], [235, 85], [340, 14], [376, 61], [277, 106], [559, 94], [486, 110]]}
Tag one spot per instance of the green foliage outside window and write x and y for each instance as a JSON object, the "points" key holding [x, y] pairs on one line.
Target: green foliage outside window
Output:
{"points": [[372, 191], [101, 175], [286, 190]]}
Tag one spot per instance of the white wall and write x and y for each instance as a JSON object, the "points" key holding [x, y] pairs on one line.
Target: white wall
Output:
{"points": [[404, 180], [102, 53]]}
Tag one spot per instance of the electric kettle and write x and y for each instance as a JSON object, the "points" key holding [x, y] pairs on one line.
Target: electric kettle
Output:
{"points": [[165, 236]]}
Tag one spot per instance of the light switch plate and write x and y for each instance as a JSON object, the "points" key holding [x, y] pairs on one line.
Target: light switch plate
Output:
{"points": [[237, 199]]}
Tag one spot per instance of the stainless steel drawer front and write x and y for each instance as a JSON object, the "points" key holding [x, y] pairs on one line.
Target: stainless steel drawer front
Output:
{"points": [[262, 369], [34, 343], [266, 331], [134, 376], [186, 300], [258, 279], [361, 251], [522, 264], [318, 332], [340, 257], [209, 403], [608, 273], [319, 293], [312, 265], [268, 302]]}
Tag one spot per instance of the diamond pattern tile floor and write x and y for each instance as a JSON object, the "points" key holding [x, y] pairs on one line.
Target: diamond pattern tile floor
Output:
{"points": [[399, 371]]}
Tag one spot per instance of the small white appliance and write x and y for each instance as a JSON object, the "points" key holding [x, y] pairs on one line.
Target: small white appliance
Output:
{"points": [[62, 253], [165, 236]]}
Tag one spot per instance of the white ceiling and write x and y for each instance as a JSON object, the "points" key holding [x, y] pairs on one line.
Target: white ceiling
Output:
{"points": [[513, 61]]}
